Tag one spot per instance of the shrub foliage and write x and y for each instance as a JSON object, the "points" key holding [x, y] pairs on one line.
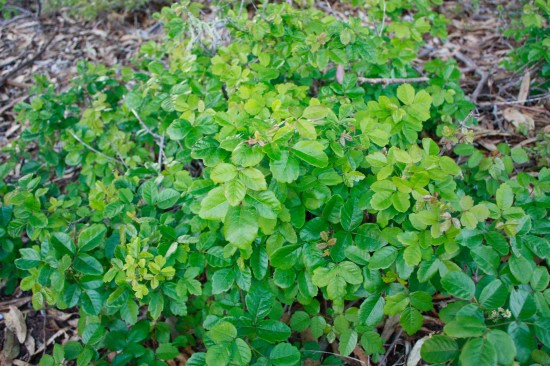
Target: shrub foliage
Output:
{"points": [[257, 200]]}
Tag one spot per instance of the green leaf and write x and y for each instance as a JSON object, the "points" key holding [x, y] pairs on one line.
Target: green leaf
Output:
{"points": [[286, 168], [351, 215], [348, 341], [439, 349], [395, 304], [91, 302], [91, 237], [253, 179], [234, 192], [542, 330], [504, 197], [259, 302], [405, 93], [539, 279], [222, 280], [218, 355], [478, 352], [179, 129], [371, 311], [504, 346], [222, 332], [240, 352], [372, 342], [285, 256], [336, 288], [214, 206], [427, 269], [30, 258], [421, 300], [465, 327], [167, 351], [519, 155], [412, 255], [87, 264], [167, 198], [383, 258], [458, 284], [400, 201], [223, 172], [299, 321], [317, 326], [493, 295], [486, 258], [156, 305], [63, 243], [311, 152], [240, 226], [272, 331], [315, 112], [381, 200], [521, 268], [411, 320], [350, 272], [284, 354]]}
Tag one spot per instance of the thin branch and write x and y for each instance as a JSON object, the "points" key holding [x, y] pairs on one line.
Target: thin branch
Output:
{"points": [[159, 140], [337, 355], [360, 353], [30, 61], [93, 149], [383, 21], [510, 102], [155, 135], [161, 151], [484, 75], [387, 81], [385, 357]]}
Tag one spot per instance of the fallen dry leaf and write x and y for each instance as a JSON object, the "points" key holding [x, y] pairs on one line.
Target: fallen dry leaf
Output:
{"points": [[30, 344], [519, 119], [10, 348], [414, 356], [524, 88], [16, 323]]}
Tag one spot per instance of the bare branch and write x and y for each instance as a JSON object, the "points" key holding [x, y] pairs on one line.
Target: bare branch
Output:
{"points": [[155, 135], [93, 149], [387, 81]]}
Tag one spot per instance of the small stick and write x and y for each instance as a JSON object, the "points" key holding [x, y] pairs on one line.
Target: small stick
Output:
{"points": [[509, 102], [337, 355], [29, 61], [361, 355], [155, 135], [93, 149], [161, 150], [387, 81], [482, 74], [397, 336]]}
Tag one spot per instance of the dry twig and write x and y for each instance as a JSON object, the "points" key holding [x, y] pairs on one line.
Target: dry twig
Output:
{"points": [[387, 81], [482, 74]]}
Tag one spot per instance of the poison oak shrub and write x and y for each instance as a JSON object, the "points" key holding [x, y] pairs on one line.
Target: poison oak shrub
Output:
{"points": [[256, 201]]}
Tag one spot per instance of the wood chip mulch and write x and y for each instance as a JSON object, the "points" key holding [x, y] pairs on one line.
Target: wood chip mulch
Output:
{"points": [[52, 45]]}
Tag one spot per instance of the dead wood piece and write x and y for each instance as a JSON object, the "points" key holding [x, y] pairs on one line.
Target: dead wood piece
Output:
{"points": [[361, 355], [50, 340], [29, 61], [387, 81], [4, 306], [473, 66], [384, 359]]}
